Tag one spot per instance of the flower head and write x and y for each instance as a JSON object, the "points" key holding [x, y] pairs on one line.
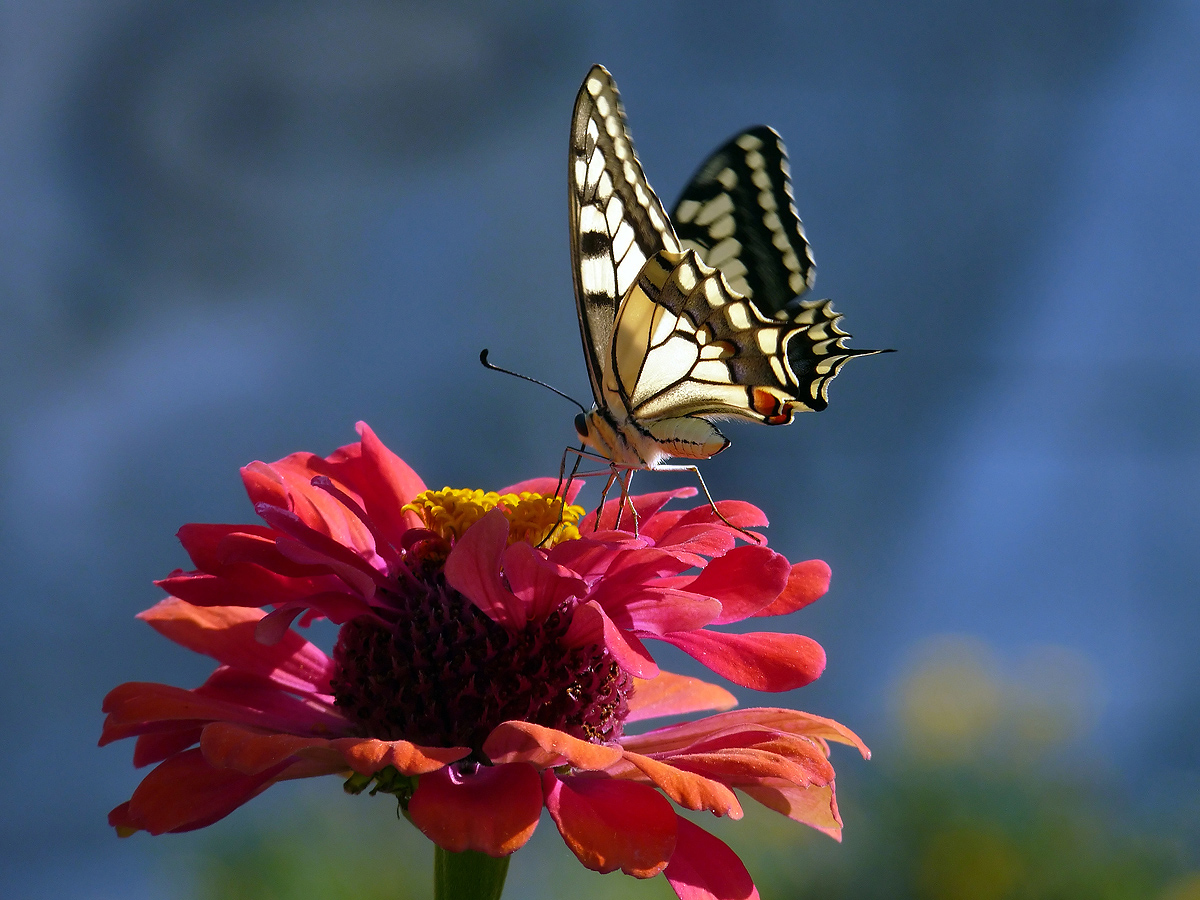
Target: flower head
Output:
{"points": [[491, 652]]}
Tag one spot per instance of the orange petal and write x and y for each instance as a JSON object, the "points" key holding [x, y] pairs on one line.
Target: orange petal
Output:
{"points": [[688, 789], [545, 747], [788, 721], [493, 810], [815, 806], [368, 755], [668, 694], [245, 750], [612, 824]]}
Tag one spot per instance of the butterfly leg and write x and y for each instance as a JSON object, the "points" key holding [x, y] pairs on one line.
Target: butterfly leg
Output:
{"points": [[612, 476], [707, 496], [625, 481]]}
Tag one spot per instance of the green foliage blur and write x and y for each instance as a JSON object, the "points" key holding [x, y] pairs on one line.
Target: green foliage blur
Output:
{"points": [[988, 787]]}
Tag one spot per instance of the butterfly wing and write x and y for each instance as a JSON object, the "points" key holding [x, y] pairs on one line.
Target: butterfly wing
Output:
{"points": [[737, 213], [616, 220], [686, 345]]}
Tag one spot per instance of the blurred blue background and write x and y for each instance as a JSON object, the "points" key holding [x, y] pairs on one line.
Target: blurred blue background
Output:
{"points": [[229, 230]]}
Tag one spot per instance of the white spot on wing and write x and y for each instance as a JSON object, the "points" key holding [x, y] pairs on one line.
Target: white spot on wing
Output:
{"points": [[722, 228], [622, 240], [687, 210], [721, 205], [738, 315], [627, 270], [749, 142], [613, 214], [726, 250], [596, 276]]}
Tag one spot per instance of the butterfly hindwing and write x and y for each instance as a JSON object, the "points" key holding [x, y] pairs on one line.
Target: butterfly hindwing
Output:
{"points": [[616, 220], [686, 345], [738, 214]]}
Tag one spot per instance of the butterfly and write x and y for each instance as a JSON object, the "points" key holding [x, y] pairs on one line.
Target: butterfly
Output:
{"points": [[694, 316]]}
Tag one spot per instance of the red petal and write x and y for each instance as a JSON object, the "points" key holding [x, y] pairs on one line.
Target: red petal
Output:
{"points": [[763, 660], [304, 544], [650, 610], [244, 585], [647, 505], [611, 824], [155, 747], [494, 810], [287, 485], [387, 484], [227, 634], [545, 747], [589, 623], [704, 868], [473, 569], [668, 694], [745, 580], [808, 581], [185, 793], [538, 583]]}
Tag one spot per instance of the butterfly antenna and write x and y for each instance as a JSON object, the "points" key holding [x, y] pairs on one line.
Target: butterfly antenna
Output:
{"points": [[487, 365]]}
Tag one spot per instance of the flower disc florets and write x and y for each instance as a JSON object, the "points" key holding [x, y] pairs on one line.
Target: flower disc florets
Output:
{"points": [[431, 668]]}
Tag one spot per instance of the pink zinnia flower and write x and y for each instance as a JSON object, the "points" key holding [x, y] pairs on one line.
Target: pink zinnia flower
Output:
{"points": [[491, 653]]}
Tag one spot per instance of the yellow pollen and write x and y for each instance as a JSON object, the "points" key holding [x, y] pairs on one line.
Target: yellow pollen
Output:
{"points": [[531, 517]]}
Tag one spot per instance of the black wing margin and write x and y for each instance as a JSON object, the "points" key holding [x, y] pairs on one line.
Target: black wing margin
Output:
{"points": [[738, 214]]}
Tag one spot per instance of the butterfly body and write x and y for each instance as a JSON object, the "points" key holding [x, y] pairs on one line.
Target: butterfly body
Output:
{"points": [[680, 328]]}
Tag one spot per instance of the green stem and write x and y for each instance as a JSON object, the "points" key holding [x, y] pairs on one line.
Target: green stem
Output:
{"points": [[467, 876]]}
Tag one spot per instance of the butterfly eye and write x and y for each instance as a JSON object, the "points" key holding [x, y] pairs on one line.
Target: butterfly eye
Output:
{"points": [[581, 425]]}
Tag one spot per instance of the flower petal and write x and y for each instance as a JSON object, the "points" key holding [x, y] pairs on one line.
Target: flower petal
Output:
{"points": [[808, 581], [668, 694], [538, 583], [185, 793], [386, 483], [746, 580], [228, 746], [590, 625], [762, 660], [704, 868], [493, 810], [646, 505], [787, 721], [154, 747], [473, 569], [690, 790], [545, 747], [815, 806], [611, 824], [227, 634], [136, 708]]}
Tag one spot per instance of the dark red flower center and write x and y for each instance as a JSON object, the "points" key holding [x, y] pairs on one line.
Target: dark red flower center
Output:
{"points": [[436, 671]]}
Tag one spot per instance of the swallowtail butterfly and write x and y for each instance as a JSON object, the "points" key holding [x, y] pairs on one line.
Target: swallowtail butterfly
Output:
{"points": [[693, 321]]}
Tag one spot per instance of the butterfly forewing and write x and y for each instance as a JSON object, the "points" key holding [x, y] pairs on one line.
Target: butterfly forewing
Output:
{"points": [[738, 214], [616, 220]]}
